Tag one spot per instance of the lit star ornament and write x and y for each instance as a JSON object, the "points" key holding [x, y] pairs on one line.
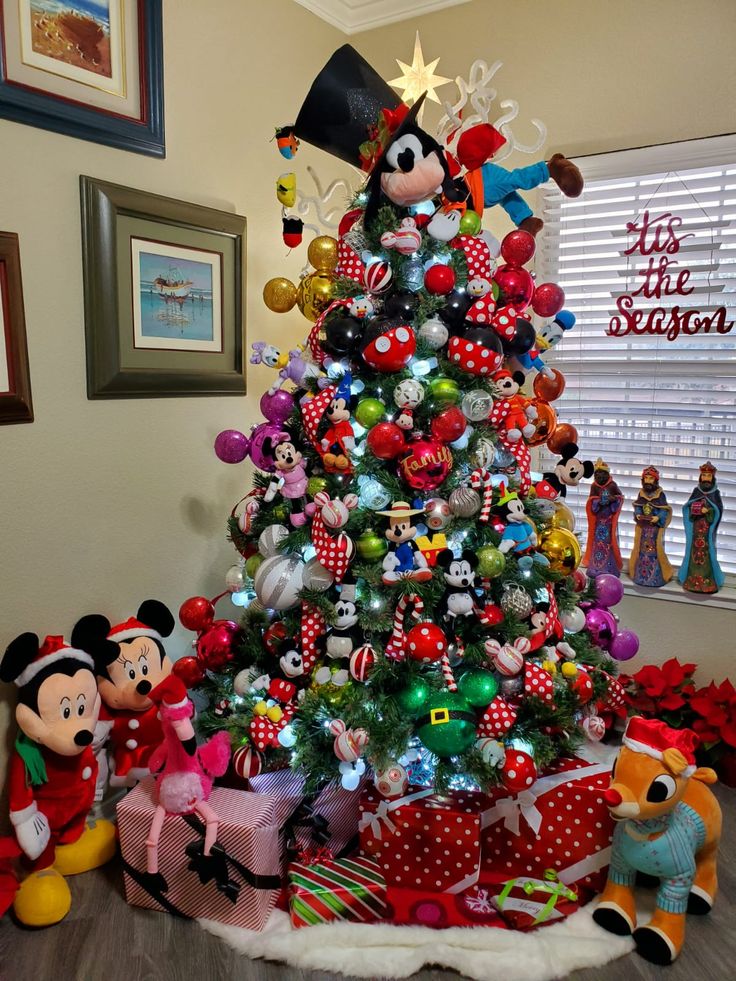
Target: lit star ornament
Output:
{"points": [[418, 77]]}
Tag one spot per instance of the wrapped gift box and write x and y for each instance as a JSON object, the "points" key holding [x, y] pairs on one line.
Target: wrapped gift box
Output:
{"points": [[348, 889], [328, 818], [248, 880], [526, 903], [472, 907], [429, 842], [561, 823]]}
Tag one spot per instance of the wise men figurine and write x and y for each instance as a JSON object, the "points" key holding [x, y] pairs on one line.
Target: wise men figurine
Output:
{"points": [[648, 563], [701, 515], [602, 554]]}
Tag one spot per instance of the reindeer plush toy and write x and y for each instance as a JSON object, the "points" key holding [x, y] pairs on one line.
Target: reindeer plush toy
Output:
{"points": [[669, 827]]}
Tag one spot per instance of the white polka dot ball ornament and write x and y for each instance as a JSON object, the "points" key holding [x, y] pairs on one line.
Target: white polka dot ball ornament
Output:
{"points": [[247, 762], [519, 771], [391, 782], [426, 643]]}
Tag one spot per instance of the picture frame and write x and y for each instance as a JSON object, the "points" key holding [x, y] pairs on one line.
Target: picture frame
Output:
{"points": [[164, 295], [90, 69], [15, 380]]}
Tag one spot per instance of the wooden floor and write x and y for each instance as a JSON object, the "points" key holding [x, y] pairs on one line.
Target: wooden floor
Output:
{"points": [[103, 939]]}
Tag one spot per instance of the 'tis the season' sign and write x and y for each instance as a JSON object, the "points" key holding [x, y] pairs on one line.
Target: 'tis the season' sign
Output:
{"points": [[665, 280]]}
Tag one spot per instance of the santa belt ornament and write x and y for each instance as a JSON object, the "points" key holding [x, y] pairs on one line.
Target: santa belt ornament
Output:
{"points": [[441, 716]]}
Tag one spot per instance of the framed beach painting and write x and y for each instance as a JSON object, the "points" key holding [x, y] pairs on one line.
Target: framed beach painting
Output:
{"points": [[91, 69], [15, 381], [164, 295]]}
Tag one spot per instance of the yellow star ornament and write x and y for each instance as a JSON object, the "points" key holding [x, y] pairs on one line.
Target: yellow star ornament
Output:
{"points": [[418, 77]]}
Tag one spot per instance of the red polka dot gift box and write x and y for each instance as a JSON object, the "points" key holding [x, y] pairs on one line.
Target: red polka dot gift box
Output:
{"points": [[560, 822], [428, 842], [242, 884]]}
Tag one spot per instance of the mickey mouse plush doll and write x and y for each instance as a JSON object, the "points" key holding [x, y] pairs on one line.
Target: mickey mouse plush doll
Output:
{"points": [[568, 472], [51, 780], [129, 661], [458, 599]]}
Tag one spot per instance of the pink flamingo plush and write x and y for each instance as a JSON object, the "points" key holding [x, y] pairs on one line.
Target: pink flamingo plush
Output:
{"points": [[187, 770]]}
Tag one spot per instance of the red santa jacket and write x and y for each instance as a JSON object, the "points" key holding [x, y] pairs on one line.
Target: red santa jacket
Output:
{"points": [[67, 794], [133, 737]]}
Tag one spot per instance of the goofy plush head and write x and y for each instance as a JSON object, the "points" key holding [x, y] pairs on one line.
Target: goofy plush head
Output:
{"points": [[58, 704]]}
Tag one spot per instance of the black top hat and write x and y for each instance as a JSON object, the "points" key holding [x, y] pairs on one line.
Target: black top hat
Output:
{"points": [[344, 105]]}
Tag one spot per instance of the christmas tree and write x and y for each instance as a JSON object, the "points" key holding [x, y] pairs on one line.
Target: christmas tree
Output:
{"points": [[411, 591]]}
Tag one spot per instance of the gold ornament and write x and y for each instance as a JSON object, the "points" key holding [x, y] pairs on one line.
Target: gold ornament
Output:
{"points": [[561, 548], [314, 294], [279, 294], [322, 253], [560, 517], [569, 670]]}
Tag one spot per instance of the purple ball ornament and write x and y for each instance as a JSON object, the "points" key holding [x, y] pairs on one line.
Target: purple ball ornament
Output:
{"points": [[232, 446], [624, 645], [257, 439], [609, 590], [601, 626], [277, 406]]}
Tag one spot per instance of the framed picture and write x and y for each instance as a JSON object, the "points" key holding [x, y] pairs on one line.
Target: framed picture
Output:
{"points": [[92, 69], [15, 381], [164, 295]]}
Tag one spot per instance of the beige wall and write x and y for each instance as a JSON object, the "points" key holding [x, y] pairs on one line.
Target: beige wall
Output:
{"points": [[105, 503]]}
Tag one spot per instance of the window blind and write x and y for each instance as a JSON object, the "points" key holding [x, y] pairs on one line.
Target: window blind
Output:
{"points": [[640, 399]]}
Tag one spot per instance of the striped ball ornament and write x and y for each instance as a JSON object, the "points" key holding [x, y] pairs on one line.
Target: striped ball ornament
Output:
{"points": [[247, 762], [377, 276], [278, 581], [508, 661], [362, 661]]}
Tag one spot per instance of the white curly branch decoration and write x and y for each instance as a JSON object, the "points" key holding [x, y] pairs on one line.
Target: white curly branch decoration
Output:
{"points": [[329, 218]]}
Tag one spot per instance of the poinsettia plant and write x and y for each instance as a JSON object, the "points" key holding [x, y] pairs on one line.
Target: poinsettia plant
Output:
{"points": [[715, 708]]}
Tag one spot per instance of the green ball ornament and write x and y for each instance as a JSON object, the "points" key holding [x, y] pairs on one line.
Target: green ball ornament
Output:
{"points": [[371, 546], [491, 562], [251, 564], [470, 223], [412, 699], [478, 687], [445, 390], [315, 485], [446, 725], [370, 411]]}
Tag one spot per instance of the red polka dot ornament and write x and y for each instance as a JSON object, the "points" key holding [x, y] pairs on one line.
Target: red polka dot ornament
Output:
{"points": [[426, 643], [519, 771], [388, 345]]}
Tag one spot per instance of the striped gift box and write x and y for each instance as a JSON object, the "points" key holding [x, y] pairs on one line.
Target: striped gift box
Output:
{"points": [[248, 839], [341, 889]]}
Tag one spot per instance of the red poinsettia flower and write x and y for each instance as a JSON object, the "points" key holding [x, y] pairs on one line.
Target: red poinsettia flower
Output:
{"points": [[671, 702], [677, 674]]}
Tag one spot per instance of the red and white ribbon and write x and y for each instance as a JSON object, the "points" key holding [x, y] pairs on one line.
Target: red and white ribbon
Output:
{"points": [[395, 647], [312, 627], [481, 480], [447, 674], [313, 340]]}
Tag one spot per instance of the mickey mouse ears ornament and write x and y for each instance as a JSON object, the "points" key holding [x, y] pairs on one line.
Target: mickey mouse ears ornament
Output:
{"points": [[351, 112]]}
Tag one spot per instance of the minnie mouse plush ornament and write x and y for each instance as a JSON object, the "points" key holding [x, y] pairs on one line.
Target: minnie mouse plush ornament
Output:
{"points": [[52, 773], [130, 660]]}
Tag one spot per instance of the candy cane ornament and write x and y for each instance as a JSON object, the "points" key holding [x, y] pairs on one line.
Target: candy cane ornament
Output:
{"points": [[481, 480], [447, 673], [395, 647]]}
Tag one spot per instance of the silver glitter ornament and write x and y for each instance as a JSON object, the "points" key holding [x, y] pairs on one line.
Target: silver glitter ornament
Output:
{"points": [[476, 405], [511, 686], [516, 602], [434, 333], [464, 502]]}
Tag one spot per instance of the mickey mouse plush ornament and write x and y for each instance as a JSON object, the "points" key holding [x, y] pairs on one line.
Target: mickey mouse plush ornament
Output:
{"points": [[130, 661], [459, 598], [568, 472], [52, 773]]}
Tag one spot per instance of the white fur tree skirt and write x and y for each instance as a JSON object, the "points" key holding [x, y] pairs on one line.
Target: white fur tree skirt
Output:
{"points": [[383, 950]]}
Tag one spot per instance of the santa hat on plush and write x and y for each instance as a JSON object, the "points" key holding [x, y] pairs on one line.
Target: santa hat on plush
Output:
{"points": [[152, 620], [25, 658], [652, 737], [171, 695]]}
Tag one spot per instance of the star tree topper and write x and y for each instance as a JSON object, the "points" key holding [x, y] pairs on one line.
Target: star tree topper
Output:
{"points": [[418, 77]]}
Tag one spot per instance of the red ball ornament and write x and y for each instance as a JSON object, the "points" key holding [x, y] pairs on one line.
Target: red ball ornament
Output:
{"points": [[362, 661], [215, 645], [492, 615], [516, 286], [579, 579], [388, 346], [518, 247], [189, 670], [273, 635], [246, 762], [377, 276], [548, 388], [426, 464], [196, 613], [548, 300], [386, 441], [426, 643], [518, 771], [478, 351], [439, 279], [449, 425]]}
